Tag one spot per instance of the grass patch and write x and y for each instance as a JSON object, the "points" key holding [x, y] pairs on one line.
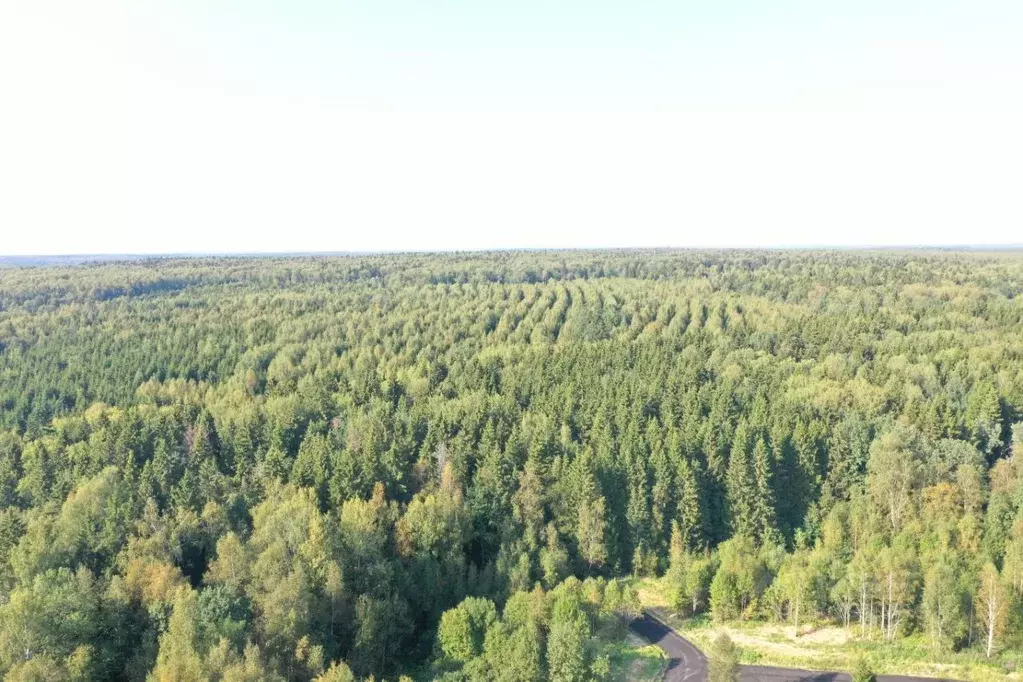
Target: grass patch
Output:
{"points": [[635, 660], [632, 657], [825, 646]]}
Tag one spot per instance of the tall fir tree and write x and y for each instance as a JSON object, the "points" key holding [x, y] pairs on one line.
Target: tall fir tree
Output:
{"points": [[764, 520], [741, 485]]}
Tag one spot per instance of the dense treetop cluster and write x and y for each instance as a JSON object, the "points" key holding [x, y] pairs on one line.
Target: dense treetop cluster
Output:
{"points": [[292, 468]]}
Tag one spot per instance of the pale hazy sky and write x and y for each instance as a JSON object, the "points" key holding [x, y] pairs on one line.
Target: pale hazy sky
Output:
{"points": [[279, 125]]}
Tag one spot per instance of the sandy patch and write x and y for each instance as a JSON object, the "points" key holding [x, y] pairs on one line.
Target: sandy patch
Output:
{"points": [[760, 642], [831, 636]]}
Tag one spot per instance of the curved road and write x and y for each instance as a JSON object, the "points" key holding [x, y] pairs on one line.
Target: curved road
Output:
{"points": [[687, 663]]}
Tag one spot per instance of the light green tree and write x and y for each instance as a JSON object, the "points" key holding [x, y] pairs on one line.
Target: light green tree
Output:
{"points": [[944, 604], [723, 660], [566, 652], [463, 629]]}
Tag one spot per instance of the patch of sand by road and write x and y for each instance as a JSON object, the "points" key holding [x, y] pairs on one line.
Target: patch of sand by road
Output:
{"points": [[831, 636], [766, 639]]}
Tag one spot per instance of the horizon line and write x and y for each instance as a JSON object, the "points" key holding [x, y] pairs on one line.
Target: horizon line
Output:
{"points": [[155, 255]]}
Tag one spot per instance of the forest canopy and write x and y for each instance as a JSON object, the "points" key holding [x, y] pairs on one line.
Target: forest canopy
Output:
{"points": [[428, 464]]}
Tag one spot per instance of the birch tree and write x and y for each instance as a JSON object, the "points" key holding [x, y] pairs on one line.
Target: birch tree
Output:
{"points": [[991, 606]]}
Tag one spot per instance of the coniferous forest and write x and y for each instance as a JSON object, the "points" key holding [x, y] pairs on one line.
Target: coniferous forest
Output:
{"points": [[448, 466]]}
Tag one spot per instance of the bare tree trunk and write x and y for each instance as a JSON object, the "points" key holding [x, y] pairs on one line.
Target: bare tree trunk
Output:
{"points": [[992, 616], [863, 608], [890, 628]]}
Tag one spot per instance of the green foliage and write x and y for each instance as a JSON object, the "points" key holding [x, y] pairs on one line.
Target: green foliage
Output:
{"points": [[862, 672], [796, 582], [742, 575], [945, 604], [292, 468], [463, 629], [562, 634], [566, 652], [63, 616], [723, 660]]}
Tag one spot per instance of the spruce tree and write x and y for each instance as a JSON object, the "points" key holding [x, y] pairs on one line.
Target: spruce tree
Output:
{"points": [[764, 520], [688, 516], [741, 485]]}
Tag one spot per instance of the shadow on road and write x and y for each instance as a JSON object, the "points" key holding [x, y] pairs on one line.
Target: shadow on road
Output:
{"points": [[758, 673]]}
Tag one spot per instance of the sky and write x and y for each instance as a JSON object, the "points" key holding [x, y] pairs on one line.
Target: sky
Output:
{"points": [[144, 126]]}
